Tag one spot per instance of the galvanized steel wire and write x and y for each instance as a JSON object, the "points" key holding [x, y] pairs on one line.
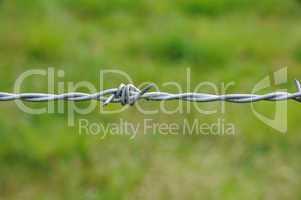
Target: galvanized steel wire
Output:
{"points": [[129, 94]]}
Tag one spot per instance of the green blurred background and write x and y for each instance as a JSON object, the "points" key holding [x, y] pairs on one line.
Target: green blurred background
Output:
{"points": [[219, 40]]}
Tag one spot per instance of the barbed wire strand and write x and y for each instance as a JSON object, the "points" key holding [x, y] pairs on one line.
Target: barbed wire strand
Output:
{"points": [[129, 94]]}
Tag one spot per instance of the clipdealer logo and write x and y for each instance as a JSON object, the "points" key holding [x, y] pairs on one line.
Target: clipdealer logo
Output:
{"points": [[56, 84], [279, 121]]}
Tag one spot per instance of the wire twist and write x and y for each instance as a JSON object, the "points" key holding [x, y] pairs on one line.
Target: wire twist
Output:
{"points": [[129, 94]]}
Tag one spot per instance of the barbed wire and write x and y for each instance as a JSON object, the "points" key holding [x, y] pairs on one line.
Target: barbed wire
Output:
{"points": [[129, 94]]}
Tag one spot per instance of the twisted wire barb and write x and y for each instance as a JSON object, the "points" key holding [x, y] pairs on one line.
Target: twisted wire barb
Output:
{"points": [[129, 94]]}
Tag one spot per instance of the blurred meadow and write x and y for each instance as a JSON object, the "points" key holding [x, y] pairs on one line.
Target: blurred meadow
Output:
{"points": [[41, 157]]}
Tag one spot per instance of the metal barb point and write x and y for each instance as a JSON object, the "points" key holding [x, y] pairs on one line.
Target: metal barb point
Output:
{"points": [[298, 84], [127, 94], [109, 100], [142, 92], [116, 94]]}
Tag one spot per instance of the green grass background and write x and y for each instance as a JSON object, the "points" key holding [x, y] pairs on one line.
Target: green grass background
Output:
{"points": [[220, 40]]}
